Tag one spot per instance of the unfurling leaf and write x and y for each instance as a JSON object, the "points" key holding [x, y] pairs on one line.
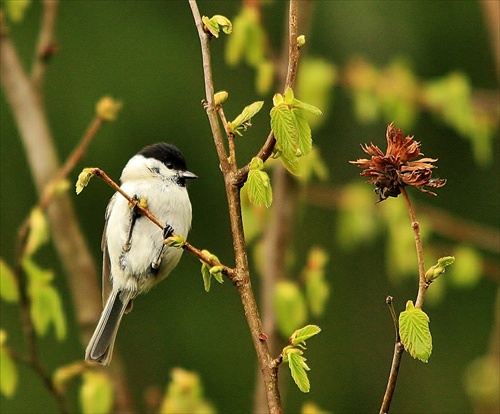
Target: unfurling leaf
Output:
{"points": [[243, 120], [414, 331], [84, 179], [8, 370], [9, 291], [177, 241], [290, 307], [216, 23], [38, 231], [303, 334], [96, 393], [259, 188], [298, 368], [438, 269], [207, 271]]}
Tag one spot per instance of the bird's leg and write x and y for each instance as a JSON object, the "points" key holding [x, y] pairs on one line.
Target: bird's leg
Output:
{"points": [[134, 214], [168, 230]]}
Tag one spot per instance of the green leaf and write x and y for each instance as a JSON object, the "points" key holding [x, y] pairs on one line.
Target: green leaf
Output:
{"points": [[9, 377], [414, 331], [38, 233], [84, 179], [16, 9], [46, 305], [259, 188], [207, 276], [216, 272], [242, 121], [216, 23], [9, 291], [285, 131], [265, 77], [298, 368], [290, 307], [303, 334], [96, 393], [304, 137]]}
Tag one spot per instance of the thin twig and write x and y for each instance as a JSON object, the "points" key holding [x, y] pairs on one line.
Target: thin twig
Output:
{"points": [[396, 362], [46, 44], [422, 284]]}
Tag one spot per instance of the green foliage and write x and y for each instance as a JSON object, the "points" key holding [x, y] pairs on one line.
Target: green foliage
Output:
{"points": [[469, 268], [46, 305], [243, 120], [38, 231], [414, 331], [208, 272], [16, 9], [9, 377], [315, 80], [9, 291], [293, 354], [395, 94], [217, 23], [316, 286], [291, 130], [258, 184], [289, 306], [184, 395], [96, 393]]}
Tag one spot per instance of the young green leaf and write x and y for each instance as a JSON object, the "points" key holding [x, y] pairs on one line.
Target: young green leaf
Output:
{"points": [[285, 130], [414, 331], [84, 179], [38, 233], [207, 276], [304, 138], [298, 368], [290, 307], [438, 269], [303, 334], [8, 369], [9, 291], [46, 305], [96, 393], [243, 120], [259, 188]]}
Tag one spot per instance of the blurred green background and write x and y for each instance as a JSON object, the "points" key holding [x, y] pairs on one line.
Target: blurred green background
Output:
{"points": [[147, 54]]}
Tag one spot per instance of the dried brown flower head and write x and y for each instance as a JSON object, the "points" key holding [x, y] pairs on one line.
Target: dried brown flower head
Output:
{"points": [[394, 169]]}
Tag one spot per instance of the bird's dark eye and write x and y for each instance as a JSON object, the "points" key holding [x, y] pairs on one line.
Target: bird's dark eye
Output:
{"points": [[170, 165]]}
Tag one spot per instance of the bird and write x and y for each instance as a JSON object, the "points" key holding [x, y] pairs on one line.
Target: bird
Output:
{"points": [[135, 257]]}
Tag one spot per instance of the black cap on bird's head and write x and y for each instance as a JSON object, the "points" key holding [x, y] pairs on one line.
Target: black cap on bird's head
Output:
{"points": [[169, 155]]}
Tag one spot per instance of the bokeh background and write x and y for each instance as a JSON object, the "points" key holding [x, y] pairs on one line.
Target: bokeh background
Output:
{"points": [[147, 54]]}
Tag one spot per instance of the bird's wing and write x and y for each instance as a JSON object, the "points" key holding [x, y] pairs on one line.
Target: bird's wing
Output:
{"points": [[107, 283]]}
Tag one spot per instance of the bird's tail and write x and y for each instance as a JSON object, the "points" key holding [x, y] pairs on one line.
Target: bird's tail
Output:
{"points": [[100, 347]]}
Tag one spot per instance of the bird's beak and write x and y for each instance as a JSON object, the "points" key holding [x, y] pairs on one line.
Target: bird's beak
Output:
{"points": [[188, 175]]}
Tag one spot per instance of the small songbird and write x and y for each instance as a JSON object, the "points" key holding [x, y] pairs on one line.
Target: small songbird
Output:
{"points": [[134, 255]]}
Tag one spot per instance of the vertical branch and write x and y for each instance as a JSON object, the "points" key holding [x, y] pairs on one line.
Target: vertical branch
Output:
{"points": [[242, 277]]}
